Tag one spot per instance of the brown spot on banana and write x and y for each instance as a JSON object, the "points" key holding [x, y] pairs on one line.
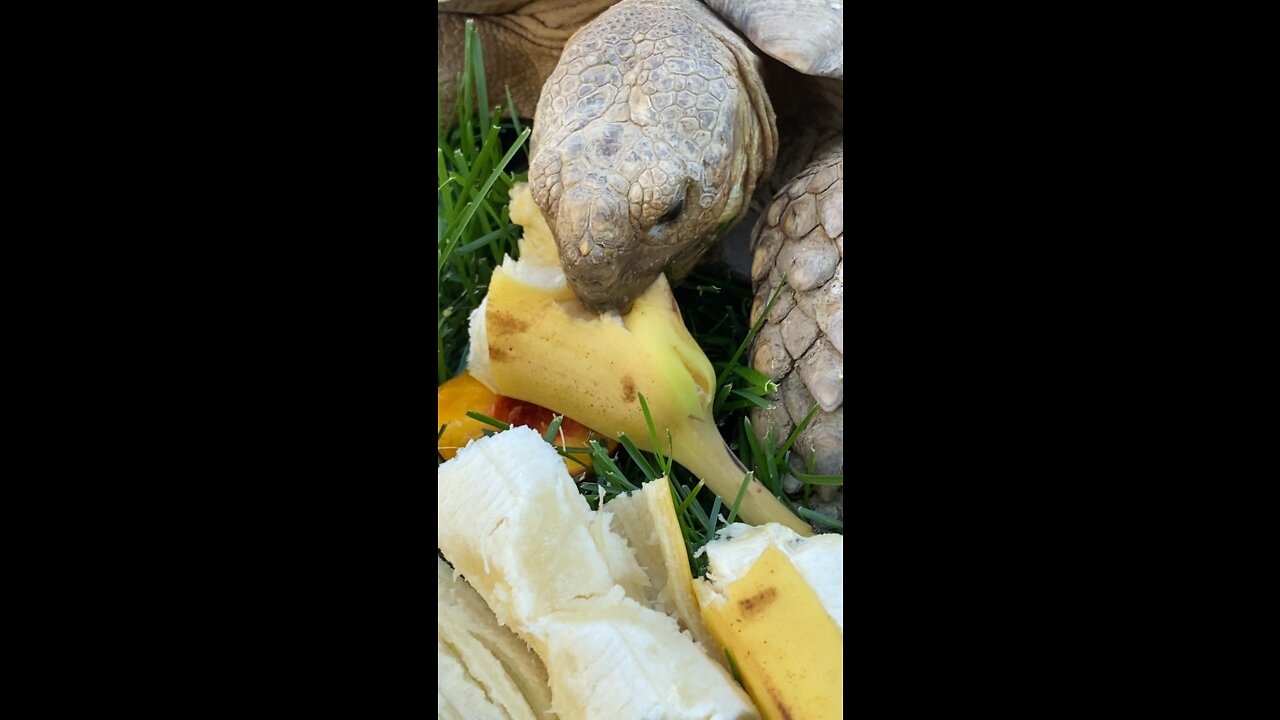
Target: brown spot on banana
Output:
{"points": [[628, 389], [758, 602], [505, 324], [783, 710]]}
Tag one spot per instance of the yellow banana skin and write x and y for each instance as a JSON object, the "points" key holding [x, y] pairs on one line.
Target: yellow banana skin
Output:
{"points": [[545, 348], [787, 648]]}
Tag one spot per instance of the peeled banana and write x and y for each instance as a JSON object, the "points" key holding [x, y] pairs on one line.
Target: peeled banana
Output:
{"points": [[531, 339], [647, 520], [511, 522], [775, 601], [484, 669]]}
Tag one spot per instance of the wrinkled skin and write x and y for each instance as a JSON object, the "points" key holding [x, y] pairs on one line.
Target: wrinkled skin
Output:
{"points": [[801, 345], [652, 134], [522, 42]]}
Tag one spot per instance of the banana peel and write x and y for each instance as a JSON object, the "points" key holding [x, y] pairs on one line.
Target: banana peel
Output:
{"points": [[531, 339]]}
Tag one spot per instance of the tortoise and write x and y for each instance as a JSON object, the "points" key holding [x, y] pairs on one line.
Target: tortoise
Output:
{"points": [[657, 129]]}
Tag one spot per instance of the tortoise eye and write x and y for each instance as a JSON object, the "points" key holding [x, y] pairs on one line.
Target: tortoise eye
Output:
{"points": [[673, 212]]}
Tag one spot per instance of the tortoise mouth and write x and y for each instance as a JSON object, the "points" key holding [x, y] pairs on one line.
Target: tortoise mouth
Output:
{"points": [[603, 291], [604, 287]]}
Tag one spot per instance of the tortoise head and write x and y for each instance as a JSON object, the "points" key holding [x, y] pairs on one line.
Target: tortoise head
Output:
{"points": [[650, 137]]}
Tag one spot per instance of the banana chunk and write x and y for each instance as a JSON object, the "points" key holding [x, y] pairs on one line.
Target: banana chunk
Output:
{"points": [[458, 694], [613, 658], [483, 665], [532, 340], [647, 519], [775, 601], [511, 521], [818, 559]]}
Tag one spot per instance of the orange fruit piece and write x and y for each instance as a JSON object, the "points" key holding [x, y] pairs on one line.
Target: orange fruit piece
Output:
{"points": [[464, 393]]}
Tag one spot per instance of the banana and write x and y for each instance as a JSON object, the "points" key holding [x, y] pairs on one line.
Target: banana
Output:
{"points": [[775, 601], [647, 520], [531, 339], [458, 695], [613, 658], [484, 669], [511, 521]]}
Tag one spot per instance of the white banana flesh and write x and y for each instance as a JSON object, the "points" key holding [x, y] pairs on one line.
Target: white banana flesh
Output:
{"points": [[484, 669], [511, 521], [647, 519], [458, 694], [611, 657], [532, 340]]}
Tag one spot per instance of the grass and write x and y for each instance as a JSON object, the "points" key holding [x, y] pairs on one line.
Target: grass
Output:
{"points": [[476, 146], [474, 229]]}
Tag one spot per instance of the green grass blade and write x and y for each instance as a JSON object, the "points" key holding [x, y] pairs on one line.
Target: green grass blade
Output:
{"points": [[571, 455], [746, 342], [601, 459], [478, 76], [464, 88], [799, 429], [663, 463], [487, 420], [479, 242], [552, 429], [757, 455], [637, 456], [515, 117], [456, 231], [755, 377], [753, 399], [737, 501], [819, 518], [712, 517], [809, 479], [684, 504], [770, 464]]}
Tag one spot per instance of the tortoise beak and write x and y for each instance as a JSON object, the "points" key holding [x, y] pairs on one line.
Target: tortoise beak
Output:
{"points": [[592, 235]]}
